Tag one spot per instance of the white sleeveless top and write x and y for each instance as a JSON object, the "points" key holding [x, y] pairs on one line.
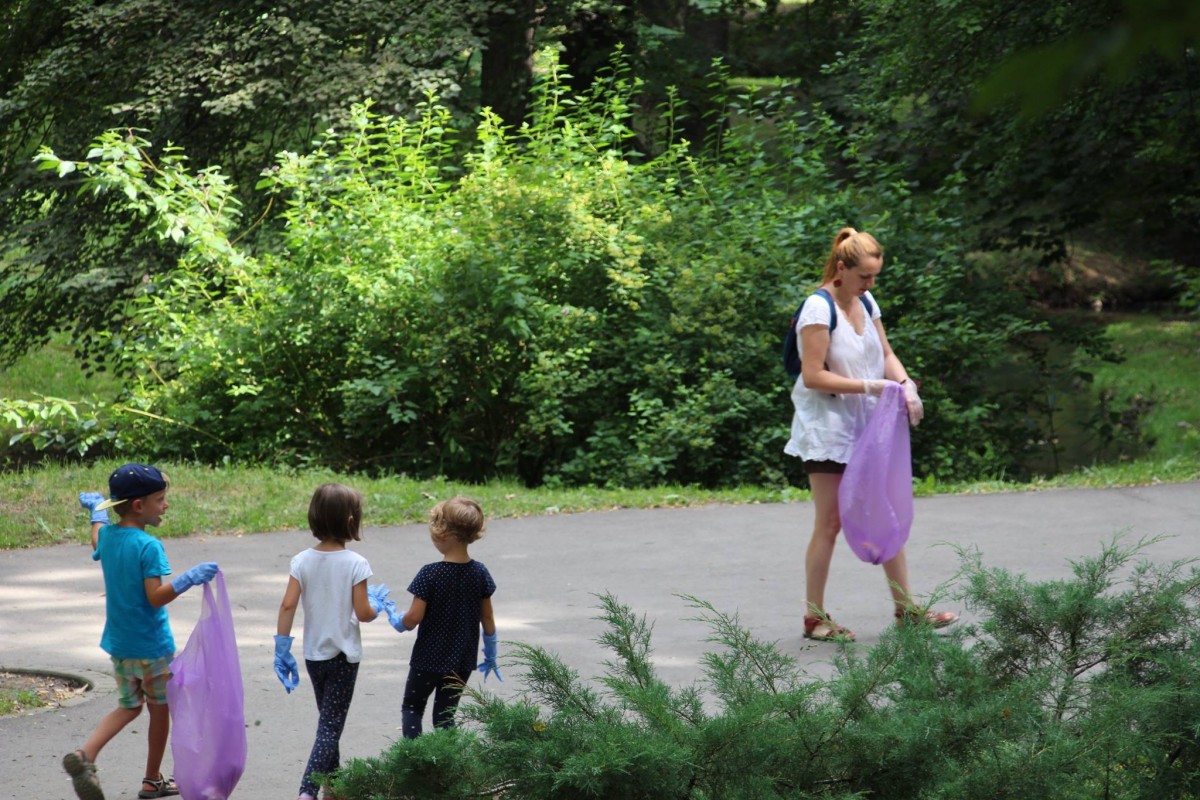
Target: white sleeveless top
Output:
{"points": [[824, 426]]}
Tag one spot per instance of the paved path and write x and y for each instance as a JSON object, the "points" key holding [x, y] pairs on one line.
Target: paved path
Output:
{"points": [[741, 558]]}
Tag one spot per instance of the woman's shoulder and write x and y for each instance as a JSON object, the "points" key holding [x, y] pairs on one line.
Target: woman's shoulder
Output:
{"points": [[817, 309]]}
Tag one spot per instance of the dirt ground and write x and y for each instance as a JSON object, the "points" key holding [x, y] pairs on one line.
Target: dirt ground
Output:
{"points": [[51, 691]]}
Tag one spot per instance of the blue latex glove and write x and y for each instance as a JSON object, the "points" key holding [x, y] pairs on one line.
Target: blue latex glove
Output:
{"points": [[489, 658], [201, 573], [285, 663], [396, 618], [90, 500], [377, 596]]}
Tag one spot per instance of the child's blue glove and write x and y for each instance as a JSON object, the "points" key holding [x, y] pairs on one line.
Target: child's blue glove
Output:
{"points": [[396, 618], [90, 500], [377, 596], [489, 658], [201, 573], [285, 663]]}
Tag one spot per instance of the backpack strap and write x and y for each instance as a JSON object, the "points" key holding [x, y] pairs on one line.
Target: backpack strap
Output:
{"points": [[832, 311]]}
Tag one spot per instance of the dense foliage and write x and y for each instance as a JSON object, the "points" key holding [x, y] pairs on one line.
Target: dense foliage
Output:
{"points": [[601, 299], [236, 82], [561, 308], [1064, 117], [233, 82], [1067, 690]]}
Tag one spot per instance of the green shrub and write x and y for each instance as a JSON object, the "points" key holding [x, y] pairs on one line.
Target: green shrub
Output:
{"points": [[51, 428], [1067, 689]]}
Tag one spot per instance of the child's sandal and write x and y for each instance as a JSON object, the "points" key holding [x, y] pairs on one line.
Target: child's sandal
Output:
{"points": [[835, 633], [918, 616], [83, 775], [163, 787]]}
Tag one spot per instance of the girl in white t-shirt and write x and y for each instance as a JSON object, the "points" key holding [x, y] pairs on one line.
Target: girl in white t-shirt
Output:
{"points": [[330, 583], [843, 372]]}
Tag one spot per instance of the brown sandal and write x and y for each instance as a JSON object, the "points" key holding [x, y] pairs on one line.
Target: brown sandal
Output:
{"points": [[918, 616], [83, 775], [836, 632]]}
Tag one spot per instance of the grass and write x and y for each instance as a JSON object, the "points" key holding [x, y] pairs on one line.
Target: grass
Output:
{"points": [[1162, 364], [39, 506], [54, 372], [16, 701]]}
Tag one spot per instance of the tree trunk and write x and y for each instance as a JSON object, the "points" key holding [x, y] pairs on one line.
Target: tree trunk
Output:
{"points": [[710, 32], [507, 70]]}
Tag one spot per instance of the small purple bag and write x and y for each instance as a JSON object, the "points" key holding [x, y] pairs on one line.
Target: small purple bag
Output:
{"points": [[876, 494], [208, 718]]}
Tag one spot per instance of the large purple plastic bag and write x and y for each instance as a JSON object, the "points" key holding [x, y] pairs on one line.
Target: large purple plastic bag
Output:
{"points": [[876, 495], [208, 718]]}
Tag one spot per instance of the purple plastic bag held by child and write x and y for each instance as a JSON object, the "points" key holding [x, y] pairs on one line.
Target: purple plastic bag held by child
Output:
{"points": [[875, 497], [208, 718]]}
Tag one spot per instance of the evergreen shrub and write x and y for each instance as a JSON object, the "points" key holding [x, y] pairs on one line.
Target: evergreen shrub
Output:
{"points": [[1071, 689]]}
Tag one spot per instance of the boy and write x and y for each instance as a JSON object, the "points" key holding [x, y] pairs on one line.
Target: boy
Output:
{"points": [[136, 632]]}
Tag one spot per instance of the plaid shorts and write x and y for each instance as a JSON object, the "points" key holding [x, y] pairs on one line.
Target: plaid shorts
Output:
{"points": [[141, 679]]}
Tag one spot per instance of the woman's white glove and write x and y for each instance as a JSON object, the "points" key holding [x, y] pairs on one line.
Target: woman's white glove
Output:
{"points": [[875, 388], [916, 409]]}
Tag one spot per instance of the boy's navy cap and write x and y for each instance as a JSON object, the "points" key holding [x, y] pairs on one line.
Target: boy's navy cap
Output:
{"points": [[132, 480]]}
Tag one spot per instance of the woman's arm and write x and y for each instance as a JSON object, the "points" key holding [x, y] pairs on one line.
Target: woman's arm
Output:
{"points": [[814, 347], [892, 368]]}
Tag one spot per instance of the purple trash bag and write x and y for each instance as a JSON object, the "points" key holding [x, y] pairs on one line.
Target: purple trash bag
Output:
{"points": [[208, 718], [876, 494]]}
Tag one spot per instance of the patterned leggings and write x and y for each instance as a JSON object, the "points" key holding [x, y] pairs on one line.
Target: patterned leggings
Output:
{"points": [[333, 684], [446, 691]]}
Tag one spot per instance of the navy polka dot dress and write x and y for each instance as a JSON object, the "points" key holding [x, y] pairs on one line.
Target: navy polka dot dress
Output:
{"points": [[448, 635]]}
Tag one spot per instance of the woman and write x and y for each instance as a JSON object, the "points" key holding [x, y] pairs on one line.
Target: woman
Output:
{"points": [[843, 372]]}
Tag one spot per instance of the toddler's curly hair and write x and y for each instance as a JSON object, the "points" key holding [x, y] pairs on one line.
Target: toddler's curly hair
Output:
{"points": [[459, 517]]}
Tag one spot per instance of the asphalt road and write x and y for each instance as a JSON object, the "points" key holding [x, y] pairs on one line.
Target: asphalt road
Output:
{"points": [[548, 570]]}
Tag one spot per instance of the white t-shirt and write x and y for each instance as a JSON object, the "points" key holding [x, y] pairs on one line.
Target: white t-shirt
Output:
{"points": [[825, 426], [327, 580]]}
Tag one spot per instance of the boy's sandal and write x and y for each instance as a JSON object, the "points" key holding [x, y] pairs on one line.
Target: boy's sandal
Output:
{"points": [[917, 616], [163, 787], [83, 775], [834, 632]]}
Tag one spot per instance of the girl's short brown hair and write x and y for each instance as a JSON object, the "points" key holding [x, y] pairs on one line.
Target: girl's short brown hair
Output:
{"points": [[335, 513], [459, 517]]}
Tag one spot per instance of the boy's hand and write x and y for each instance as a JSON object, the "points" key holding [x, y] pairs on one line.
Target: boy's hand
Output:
{"points": [[285, 663], [90, 500], [489, 658], [201, 573]]}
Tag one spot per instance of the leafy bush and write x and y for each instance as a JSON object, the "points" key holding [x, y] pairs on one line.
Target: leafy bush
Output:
{"points": [[546, 302], [1068, 689], [53, 428]]}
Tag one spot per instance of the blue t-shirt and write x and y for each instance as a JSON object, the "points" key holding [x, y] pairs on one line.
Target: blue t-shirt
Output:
{"points": [[132, 627], [449, 632]]}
